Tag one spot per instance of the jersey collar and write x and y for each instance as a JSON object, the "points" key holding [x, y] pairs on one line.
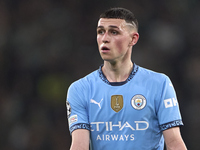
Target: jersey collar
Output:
{"points": [[103, 77]]}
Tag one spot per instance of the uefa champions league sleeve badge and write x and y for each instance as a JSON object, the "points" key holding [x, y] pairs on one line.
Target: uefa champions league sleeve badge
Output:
{"points": [[68, 109]]}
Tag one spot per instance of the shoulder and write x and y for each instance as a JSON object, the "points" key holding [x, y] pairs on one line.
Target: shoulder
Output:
{"points": [[151, 75], [85, 81]]}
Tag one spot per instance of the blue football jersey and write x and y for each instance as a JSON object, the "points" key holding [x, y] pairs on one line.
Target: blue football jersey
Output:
{"points": [[124, 115]]}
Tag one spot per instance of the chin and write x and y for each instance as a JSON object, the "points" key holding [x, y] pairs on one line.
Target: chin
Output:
{"points": [[105, 58], [109, 60]]}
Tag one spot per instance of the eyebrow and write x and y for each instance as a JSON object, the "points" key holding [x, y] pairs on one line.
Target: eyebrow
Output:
{"points": [[111, 26]]}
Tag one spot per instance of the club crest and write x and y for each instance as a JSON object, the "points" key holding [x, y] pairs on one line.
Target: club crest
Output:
{"points": [[117, 102], [138, 102]]}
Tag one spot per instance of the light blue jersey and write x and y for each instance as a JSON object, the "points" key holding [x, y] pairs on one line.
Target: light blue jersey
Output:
{"points": [[129, 115]]}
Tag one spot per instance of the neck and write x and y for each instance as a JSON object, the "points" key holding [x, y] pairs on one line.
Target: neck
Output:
{"points": [[117, 72]]}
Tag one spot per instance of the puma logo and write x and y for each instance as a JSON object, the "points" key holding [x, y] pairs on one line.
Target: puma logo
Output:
{"points": [[93, 101]]}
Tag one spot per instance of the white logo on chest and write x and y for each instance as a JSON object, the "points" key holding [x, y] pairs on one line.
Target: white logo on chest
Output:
{"points": [[98, 103]]}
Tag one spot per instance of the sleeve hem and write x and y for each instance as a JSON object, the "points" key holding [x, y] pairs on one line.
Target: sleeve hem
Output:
{"points": [[79, 126], [171, 124]]}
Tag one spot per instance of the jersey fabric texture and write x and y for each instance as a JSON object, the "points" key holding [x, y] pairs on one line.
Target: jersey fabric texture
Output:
{"points": [[124, 115]]}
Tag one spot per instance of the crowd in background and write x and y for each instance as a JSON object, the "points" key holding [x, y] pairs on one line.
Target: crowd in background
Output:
{"points": [[45, 45]]}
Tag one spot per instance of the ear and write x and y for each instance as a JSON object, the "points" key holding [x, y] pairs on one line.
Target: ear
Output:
{"points": [[134, 38]]}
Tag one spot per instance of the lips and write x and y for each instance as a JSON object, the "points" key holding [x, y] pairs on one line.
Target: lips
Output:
{"points": [[104, 48]]}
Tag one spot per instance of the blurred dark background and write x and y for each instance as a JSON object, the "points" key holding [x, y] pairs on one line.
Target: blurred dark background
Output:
{"points": [[45, 45]]}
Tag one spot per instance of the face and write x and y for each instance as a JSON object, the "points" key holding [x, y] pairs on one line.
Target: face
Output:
{"points": [[115, 39]]}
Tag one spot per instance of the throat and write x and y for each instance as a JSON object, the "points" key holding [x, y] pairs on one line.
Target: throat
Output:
{"points": [[117, 74], [117, 78]]}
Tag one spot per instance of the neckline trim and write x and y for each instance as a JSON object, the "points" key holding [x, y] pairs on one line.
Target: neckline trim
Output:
{"points": [[104, 79]]}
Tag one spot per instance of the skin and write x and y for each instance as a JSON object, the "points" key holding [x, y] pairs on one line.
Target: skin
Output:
{"points": [[118, 38], [115, 40], [173, 139], [80, 139]]}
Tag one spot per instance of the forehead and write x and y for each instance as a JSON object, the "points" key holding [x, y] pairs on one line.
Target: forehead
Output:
{"points": [[104, 22]]}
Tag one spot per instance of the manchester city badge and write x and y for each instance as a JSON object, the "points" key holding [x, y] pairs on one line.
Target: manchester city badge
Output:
{"points": [[138, 102]]}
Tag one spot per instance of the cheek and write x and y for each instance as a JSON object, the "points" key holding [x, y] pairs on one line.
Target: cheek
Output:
{"points": [[98, 40], [121, 44]]}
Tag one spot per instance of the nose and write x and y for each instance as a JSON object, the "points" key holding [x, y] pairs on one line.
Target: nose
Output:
{"points": [[105, 38]]}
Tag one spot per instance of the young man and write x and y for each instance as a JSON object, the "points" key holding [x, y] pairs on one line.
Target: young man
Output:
{"points": [[122, 105]]}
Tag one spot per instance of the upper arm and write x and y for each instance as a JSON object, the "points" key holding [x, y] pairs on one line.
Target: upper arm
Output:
{"points": [[77, 108], [168, 111], [80, 139], [78, 116], [173, 139]]}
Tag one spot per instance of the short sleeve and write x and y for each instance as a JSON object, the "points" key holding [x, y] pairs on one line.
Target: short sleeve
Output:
{"points": [[168, 109], [76, 103]]}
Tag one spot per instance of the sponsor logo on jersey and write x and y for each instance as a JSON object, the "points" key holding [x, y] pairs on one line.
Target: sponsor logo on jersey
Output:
{"points": [[104, 130], [110, 126], [95, 102], [116, 102], [68, 109], [73, 119], [171, 102], [138, 102], [115, 137]]}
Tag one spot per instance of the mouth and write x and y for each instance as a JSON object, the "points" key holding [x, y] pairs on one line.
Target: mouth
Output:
{"points": [[104, 48]]}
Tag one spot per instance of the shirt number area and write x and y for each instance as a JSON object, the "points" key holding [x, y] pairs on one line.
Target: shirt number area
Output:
{"points": [[171, 102]]}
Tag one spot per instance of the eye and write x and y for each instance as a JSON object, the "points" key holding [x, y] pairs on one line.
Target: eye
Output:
{"points": [[114, 32], [101, 32]]}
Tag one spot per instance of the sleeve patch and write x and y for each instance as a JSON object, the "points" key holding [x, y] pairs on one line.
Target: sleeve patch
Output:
{"points": [[171, 124], [73, 119], [68, 109], [79, 126]]}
